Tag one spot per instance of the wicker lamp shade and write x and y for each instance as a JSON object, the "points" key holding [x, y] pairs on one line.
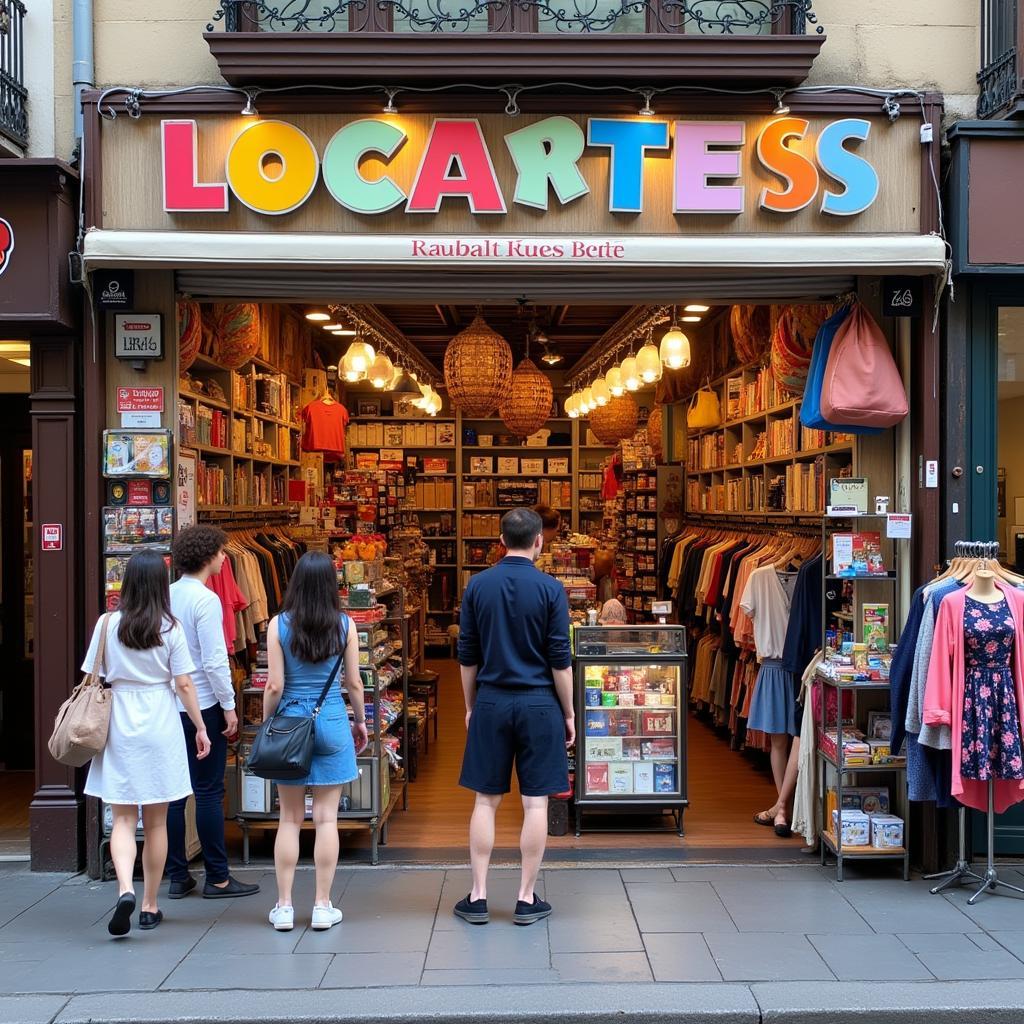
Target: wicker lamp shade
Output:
{"points": [[478, 370], [616, 420], [528, 406], [654, 432]]}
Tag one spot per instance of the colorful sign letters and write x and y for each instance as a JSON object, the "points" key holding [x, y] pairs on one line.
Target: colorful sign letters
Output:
{"points": [[273, 167]]}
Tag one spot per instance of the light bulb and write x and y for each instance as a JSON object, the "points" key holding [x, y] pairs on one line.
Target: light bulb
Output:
{"points": [[675, 348], [380, 371], [357, 361], [630, 374], [317, 317], [588, 399], [616, 385], [648, 364], [695, 307], [570, 407], [602, 396]]}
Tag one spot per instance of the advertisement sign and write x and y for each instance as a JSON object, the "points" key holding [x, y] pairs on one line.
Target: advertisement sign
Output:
{"points": [[138, 336]]}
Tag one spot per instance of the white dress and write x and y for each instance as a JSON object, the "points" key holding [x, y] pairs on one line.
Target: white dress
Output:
{"points": [[144, 761]]}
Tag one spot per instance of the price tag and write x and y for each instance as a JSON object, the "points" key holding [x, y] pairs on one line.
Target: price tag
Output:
{"points": [[897, 526]]}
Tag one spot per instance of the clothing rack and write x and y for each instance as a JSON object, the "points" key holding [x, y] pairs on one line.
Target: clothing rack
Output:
{"points": [[242, 520], [796, 525]]}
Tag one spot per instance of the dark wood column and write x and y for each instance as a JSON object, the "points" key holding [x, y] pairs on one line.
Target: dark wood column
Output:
{"points": [[55, 816]]}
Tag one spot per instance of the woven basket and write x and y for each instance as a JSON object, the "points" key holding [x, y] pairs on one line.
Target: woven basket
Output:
{"points": [[528, 406], [478, 370], [190, 332], [615, 421], [654, 432], [238, 333], [750, 327]]}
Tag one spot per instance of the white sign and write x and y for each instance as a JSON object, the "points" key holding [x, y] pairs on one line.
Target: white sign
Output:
{"points": [[931, 473], [137, 336], [137, 420], [897, 526], [185, 493]]}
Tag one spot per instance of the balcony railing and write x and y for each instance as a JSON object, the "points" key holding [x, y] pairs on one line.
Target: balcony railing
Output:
{"points": [[697, 17], [999, 80], [13, 94]]}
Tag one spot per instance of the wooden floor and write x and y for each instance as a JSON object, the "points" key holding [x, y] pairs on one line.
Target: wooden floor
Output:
{"points": [[726, 788]]}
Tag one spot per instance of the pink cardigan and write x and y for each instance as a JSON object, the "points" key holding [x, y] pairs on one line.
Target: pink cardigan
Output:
{"points": [[944, 691]]}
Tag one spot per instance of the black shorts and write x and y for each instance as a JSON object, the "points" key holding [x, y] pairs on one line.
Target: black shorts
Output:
{"points": [[524, 727]]}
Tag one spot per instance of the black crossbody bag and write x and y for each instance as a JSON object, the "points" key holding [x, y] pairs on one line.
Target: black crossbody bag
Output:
{"points": [[283, 746]]}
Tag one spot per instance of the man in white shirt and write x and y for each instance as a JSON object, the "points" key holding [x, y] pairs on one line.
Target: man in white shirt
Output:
{"points": [[199, 554]]}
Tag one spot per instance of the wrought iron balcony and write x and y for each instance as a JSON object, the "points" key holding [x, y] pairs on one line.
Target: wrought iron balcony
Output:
{"points": [[13, 94], [1002, 38], [702, 17]]}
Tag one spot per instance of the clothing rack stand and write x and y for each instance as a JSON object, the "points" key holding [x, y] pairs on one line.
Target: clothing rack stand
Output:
{"points": [[992, 882], [962, 871]]}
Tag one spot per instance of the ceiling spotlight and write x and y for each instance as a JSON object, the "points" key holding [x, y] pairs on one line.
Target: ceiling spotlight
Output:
{"points": [[891, 109], [331, 327], [249, 110], [781, 107], [695, 307], [690, 319], [551, 357], [318, 317], [389, 107], [647, 110]]}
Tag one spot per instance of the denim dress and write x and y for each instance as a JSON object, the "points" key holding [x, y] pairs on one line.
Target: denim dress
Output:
{"points": [[334, 753]]}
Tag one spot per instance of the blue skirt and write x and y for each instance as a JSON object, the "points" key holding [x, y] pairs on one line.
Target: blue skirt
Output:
{"points": [[334, 753], [773, 706]]}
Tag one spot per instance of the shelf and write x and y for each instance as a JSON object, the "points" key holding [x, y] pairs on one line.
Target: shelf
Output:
{"points": [[794, 459], [208, 449], [864, 852], [750, 417], [830, 760], [517, 476], [517, 448], [889, 577], [399, 419], [196, 397], [443, 565], [449, 537]]}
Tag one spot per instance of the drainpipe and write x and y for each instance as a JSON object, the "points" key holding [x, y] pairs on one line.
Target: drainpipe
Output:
{"points": [[82, 69]]}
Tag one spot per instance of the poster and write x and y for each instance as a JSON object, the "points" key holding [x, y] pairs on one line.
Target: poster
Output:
{"points": [[186, 490]]}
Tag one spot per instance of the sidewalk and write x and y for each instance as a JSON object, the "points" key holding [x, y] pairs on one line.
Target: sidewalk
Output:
{"points": [[697, 943]]}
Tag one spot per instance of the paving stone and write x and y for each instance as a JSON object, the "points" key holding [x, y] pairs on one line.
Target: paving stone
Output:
{"points": [[593, 923], [1011, 940], [869, 957], [973, 965], [721, 873], [602, 967], [491, 947], [637, 875], [939, 942], [761, 957], [250, 972], [30, 1009], [502, 892], [254, 935], [583, 880], [679, 907], [795, 907], [371, 970], [120, 965], [993, 911], [909, 908], [681, 957], [514, 976]]}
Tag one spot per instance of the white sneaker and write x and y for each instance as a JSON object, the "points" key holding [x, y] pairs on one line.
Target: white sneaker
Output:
{"points": [[325, 917], [282, 918]]}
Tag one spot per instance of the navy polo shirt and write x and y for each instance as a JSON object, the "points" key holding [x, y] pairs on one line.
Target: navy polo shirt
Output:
{"points": [[514, 625]]}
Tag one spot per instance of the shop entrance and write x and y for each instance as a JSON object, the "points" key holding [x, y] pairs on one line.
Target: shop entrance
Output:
{"points": [[17, 705]]}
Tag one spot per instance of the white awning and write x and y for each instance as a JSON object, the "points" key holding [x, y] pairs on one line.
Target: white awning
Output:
{"points": [[708, 255]]}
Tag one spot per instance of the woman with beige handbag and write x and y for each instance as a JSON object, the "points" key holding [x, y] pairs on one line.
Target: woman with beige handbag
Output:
{"points": [[145, 660]]}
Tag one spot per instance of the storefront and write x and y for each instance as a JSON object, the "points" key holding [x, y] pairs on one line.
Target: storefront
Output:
{"points": [[399, 224], [41, 427]]}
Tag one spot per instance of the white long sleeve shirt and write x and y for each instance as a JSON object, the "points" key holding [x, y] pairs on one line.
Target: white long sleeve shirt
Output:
{"points": [[198, 610]]}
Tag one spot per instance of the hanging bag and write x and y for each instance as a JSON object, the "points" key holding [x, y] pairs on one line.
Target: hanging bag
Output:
{"points": [[283, 746], [705, 410], [81, 726], [862, 384]]}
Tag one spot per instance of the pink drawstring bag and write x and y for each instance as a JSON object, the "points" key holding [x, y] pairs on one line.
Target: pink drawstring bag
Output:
{"points": [[862, 384]]}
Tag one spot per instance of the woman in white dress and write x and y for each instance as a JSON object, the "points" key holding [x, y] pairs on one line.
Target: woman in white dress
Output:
{"points": [[144, 762]]}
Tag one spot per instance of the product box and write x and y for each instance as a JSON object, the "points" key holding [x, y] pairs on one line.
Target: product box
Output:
{"points": [[539, 439], [658, 723], [256, 794], [856, 828], [532, 467], [507, 465], [558, 466], [597, 778], [592, 696], [485, 440], [596, 723], [643, 777], [869, 799], [481, 464], [404, 406], [886, 831], [658, 750], [665, 778], [620, 778], [604, 748], [609, 699], [850, 492]]}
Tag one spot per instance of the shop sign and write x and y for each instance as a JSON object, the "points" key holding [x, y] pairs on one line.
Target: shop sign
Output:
{"points": [[137, 336], [114, 289], [52, 536], [273, 167], [6, 244], [185, 491], [901, 296], [140, 399]]}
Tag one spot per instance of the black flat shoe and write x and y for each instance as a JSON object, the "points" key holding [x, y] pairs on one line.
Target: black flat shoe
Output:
{"points": [[120, 922], [473, 911], [527, 913], [148, 921], [179, 890], [226, 892], [783, 831]]}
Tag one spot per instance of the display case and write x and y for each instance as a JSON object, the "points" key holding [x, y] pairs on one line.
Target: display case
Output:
{"points": [[630, 686]]}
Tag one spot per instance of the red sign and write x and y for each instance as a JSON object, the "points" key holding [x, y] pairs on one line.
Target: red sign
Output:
{"points": [[53, 536], [140, 492], [140, 399], [6, 244]]}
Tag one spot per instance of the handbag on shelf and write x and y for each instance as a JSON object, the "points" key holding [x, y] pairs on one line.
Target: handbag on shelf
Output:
{"points": [[83, 721], [705, 410], [283, 746]]}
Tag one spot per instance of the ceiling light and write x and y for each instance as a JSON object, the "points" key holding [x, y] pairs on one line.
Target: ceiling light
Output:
{"points": [[381, 371], [648, 364], [357, 361], [588, 399], [600, 391], [695, 307], [781, 107], [570, 407], [616, 385], [389, 107], [675, 348], [551, 358], [647, 110], [396, 379], [332, 327], [345, 332], [690, 319], [249, 110], [630, 374], [318, 317]]}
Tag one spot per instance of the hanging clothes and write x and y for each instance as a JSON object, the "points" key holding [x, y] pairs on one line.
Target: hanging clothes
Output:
{"points": [[324, 422]]}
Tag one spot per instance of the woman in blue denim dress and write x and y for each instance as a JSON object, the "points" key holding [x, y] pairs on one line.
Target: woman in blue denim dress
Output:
{"points": [[303, 645]]}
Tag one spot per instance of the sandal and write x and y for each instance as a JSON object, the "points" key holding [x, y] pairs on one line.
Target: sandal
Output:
{"points": [[782, 830], [760, 819]]}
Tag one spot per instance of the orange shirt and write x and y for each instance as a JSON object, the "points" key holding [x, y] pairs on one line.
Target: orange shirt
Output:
{"points": [[325, 425]]}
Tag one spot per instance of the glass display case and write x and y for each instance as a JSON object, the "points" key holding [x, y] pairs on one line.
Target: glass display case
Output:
{"points": [[631, 728]]}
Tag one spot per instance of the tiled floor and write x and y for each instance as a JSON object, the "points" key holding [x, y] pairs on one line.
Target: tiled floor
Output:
{"points": [[700, 924]]}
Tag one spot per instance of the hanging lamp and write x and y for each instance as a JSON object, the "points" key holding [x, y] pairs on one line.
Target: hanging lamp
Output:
{"points": [[601, 393], [648, 362], [356, 362], [613, 378], [615, 421], [380, 372], [478, 369], [675, 347], [630, 374]]}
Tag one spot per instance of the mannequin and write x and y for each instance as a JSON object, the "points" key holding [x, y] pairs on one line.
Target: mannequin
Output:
{"points": [[984, 587]]}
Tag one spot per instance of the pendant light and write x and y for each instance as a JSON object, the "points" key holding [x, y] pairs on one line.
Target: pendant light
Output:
{"points": [[396, 379], [613, 378], [570, 407], [381, 371], [675, 347], [630, 374], [602, 396], [648, 362], [588, 400], [357, 361]]}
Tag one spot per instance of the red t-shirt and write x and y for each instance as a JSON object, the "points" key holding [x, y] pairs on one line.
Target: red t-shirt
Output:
{"points": [[232, 600], [325, 425]]}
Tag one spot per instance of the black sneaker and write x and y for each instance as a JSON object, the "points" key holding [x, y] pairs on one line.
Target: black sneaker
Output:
{"points": [[527, 913], [473, 911], [179, 890], [229, 891], [120, 922]]}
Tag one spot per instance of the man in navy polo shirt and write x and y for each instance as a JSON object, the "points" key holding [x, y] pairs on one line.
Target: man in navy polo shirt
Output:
{"points": [[516, 670]]}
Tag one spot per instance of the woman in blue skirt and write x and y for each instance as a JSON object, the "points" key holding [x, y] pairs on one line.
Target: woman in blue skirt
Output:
{"points": [[303, 644]]}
